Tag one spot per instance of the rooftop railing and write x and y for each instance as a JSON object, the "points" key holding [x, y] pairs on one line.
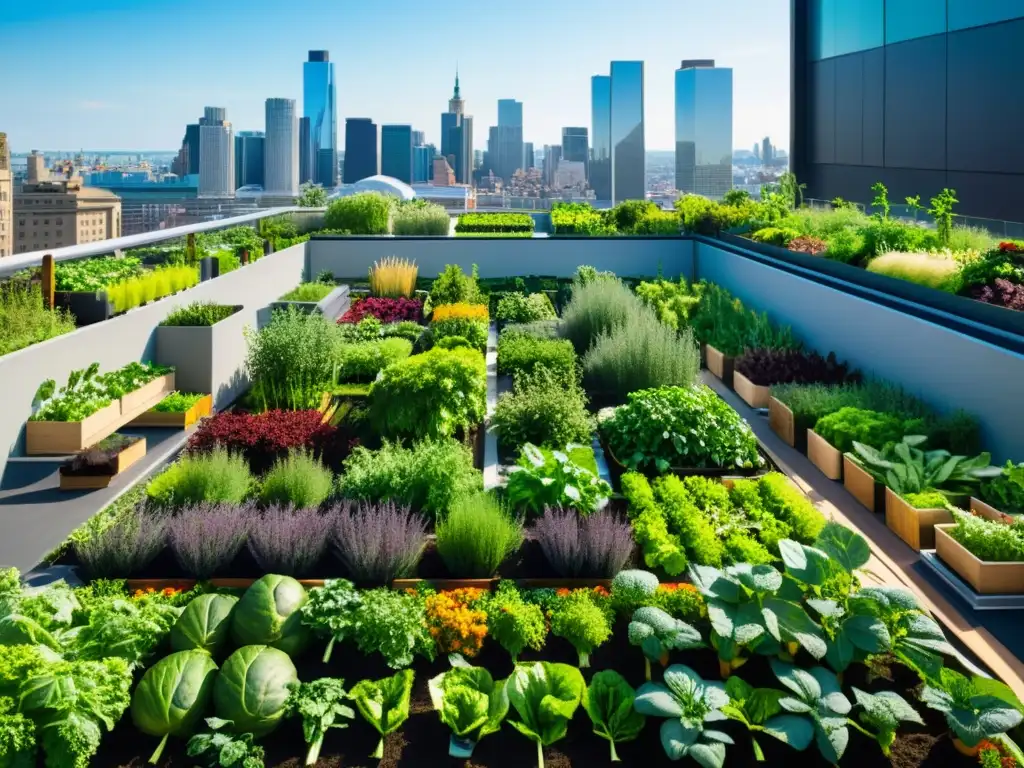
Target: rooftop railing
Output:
{"points": [[1012, 230]]}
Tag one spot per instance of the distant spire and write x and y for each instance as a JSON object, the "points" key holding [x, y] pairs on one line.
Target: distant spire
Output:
{"points": [[456, 94]]}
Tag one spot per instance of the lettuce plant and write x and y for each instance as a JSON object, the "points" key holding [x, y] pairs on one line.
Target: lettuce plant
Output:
{"points": [[470, 703], [608, 701], [545, 696], [657, 633], [513, 622], [321, 706], [540, 481], [688, 703], [17, 736], [384, 703], [975, 709], [393, 624]]}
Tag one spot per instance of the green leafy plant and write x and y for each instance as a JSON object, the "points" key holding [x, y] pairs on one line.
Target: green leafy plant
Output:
{"points": [[214, 476], [816, 695], [631, 589], [932, 269], [974, 708], [760, 711], [848, 425], [581, 621], [688, 703], [990, 541], [673, 302], [521, 353], [205, 624], [392, 624], [883, 712], [476, 536], [269, 613], [608, 701], [470, 703], [178, 402], [17, 736], [942, 212], [513, 622], [125, 629], [906, 468], [82, 396], [419, 220], [545, 696], [362, 361], [308, 292], [321, 705], [311, 196], [453, 286], [172, 695], [298, 479], [722, 322], [551, 479], [252, 688], [25, 321], [330, 610], [364, 213], [221, 749], [543, 409], [657, 634], [384, 704], [1005, 491], [597, 307], [521, 308]]}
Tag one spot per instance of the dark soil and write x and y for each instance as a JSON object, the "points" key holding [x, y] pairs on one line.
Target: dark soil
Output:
{"points": [[423, 739]]}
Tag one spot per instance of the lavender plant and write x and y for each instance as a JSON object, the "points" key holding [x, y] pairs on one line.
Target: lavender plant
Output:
{"points": [[289, 541], [205, 538], [598, 546], [124, 548], [378, 542]]}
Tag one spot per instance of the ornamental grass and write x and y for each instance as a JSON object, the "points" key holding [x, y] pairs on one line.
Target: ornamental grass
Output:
{"points": [[393, 277]]}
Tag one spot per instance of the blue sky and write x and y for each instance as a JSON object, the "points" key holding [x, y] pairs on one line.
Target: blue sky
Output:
{"points": [[129, 74]]}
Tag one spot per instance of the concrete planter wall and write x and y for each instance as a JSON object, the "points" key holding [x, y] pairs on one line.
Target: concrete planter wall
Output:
{"points": [[207, 359], [332, 306]]}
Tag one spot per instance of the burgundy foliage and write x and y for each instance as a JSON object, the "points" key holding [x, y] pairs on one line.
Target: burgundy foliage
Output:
{"points": [[597, 546], [765, 367], [289, 541], [125, 548], [1002, 293], [385, 310], [378, 542], [206, 538], [265, 437], [814, 246]]}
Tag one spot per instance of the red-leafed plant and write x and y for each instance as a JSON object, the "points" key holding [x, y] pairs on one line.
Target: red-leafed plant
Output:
{"points": [[1010, 246], [813, 246], [385, 310], [1002, 293]]}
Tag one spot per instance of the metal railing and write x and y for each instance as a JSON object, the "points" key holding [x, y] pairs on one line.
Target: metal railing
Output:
{"points": [[1013, 230], [12, 264]]}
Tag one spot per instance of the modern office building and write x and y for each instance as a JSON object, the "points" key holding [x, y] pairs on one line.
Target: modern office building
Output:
{"points": [[305, 152], [423, 163], [917, 94], [187, 161], [6, 199], [552, 156], [216, 154], [629, 151], [457, 137], [601, 131], [249, 146], [318, 105], [576, 146], [418, 139], [767, 151], [362, 149], [281, 153], [510, 112], [703, 128], [529, 160], [396, 153], [505, 141]]}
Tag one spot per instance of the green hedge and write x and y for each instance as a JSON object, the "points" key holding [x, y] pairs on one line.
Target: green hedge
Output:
{"points": [[494, 222]]}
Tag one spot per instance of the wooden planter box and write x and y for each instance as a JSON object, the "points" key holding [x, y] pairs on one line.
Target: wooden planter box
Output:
{"points": [[824, 456], [151, 418], [987, 511], [986, 578], [780, 419], [862, 486], [914, 526], [61, 437], [754, 395], [124, 459], [720, 365]]}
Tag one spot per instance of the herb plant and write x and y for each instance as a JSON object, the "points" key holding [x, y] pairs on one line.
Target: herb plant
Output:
{"points": [[592, 546], [906, 468], [25, 321], [543, 409], [199, 313], [520, 308], [384, 704], [520, 353], [297, 479], [760, 711], [989, 541], [513, 622], [330, 610], [216, 476], [768, 367], [177, 402], [542, 480], [321, 705], [379, 542], [816, 694], [1005, 491], [579, 619], [392, 624], [476, 536], [848, 425], [222, 749]]}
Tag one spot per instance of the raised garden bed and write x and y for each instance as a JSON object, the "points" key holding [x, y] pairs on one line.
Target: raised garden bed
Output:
{"points": [[824, 456], [102, 463], [986, 578], [332, 306], [780, 419], [754, 395], [981, 509], [177, 420], [862, 486], [721, 365], [207, 358], [915, 526]]}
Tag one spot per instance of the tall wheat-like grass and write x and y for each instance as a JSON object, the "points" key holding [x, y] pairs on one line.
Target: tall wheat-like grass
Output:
{"points": [[934, 269], [393, 277], [151, 286]]}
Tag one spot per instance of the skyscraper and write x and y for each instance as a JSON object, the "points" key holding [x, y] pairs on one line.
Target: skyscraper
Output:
{"points": [[576, 146], [305, 152], [601, 131], [528, 156], [423, 163], [552, 156], [249, 158], [362, 149], [216, 154], [396, 155], [505, 141], [281, 151], [703, 128], [767, 153], [629, 177], [418, 139], [457, 136], [6, 199], [318, 104]]}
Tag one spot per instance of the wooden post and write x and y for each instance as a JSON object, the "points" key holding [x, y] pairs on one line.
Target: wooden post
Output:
{"points": [[244, 259], [47, 276], [190, 248]]}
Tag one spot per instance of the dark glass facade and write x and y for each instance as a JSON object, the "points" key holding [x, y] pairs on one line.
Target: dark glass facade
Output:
{"points": [[917, 94], [318, 104], [601, 131], [396, 157], [192, 142], [249, 147], [576, 146], [362, 149], [629, 159]]}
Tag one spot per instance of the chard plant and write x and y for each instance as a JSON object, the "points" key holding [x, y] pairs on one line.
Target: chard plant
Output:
{"points": [[905, 468], [321, 705], [545, 696]]}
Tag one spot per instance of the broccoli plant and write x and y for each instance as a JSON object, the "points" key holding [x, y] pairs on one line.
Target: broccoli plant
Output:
{"points": [[632, 589], [582, 622], [657, 633]]}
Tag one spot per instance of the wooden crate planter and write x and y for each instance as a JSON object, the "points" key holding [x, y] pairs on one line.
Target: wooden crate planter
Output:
{"points": [[914, 526], [719, 364], [824, 456], [151, 418], [986, 578], [124, 459], [754, 395], [63, 437], [440, 584], [862, 486], [782, 422], [987, 511]]}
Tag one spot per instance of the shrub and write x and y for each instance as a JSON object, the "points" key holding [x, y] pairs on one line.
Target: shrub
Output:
{"points": [[384, 309], [494, 222], [680, 427], [543, 408], [846, 245], [365, 213], [150, 286], [723, 322], [297, 479], [539, 329], [809, 402], [404, 330], [578, 219], [774, 236], [430, 476], [597, 546], [363, 361], [597, 308], [429, 219], [963, 238], [673, 303], [308, 292], [848, 425], [767, 367], [476, 536], [519, 308], [289, 541], [265, 437], [378, 542], [813, 246], [206, 538], [883, 234], [430, 395], [1002, 293], [24, 321], [989, 541], [931, 269], [657, 222], [1005, 262], [466, 320], [454, 342], [452, 286], [124, 547], [214, 476], [459, 311], [520, 354], [641, 355], [393, 278]]}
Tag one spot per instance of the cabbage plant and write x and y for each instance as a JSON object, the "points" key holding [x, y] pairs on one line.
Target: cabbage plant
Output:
{"points": [[204, 624], [469, 702], [269, 613], [545, 696], [252, 688]]}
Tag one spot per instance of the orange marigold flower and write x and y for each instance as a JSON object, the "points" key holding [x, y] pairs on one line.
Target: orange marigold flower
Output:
{"points": [[563, 592]]}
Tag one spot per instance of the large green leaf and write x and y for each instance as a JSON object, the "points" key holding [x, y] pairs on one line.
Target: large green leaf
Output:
{"points": [[464, 709], [545, 695], [384, 704], [867, 633], [608, 700], [794, 730], [204, 624], [714, 583], [807, 564], [788, 622], [844, 546], [174, 694], [252, 688]]}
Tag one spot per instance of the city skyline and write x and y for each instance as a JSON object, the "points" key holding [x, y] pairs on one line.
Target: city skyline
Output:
{"points": [[367, 70]]}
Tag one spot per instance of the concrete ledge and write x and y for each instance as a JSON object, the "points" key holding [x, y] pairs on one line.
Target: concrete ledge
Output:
{"points": [[332, 306]]}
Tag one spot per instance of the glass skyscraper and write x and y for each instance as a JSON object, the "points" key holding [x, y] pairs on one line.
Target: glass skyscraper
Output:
{"points": [[318, 105], [396, 156], [703, 128], [510, 112], [362, 149], [576, 145], [629, 180], [601, 131], [249, 158]]}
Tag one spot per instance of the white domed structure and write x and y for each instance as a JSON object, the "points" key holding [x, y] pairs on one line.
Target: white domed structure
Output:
{"points": [[386, 185]]}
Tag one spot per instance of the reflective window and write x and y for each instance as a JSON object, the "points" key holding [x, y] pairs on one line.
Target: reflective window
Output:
{"points": [[627, 133], [909, 19], [601, 136], [704, 131], [845, 26], [974, 13], [822, 26]]}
